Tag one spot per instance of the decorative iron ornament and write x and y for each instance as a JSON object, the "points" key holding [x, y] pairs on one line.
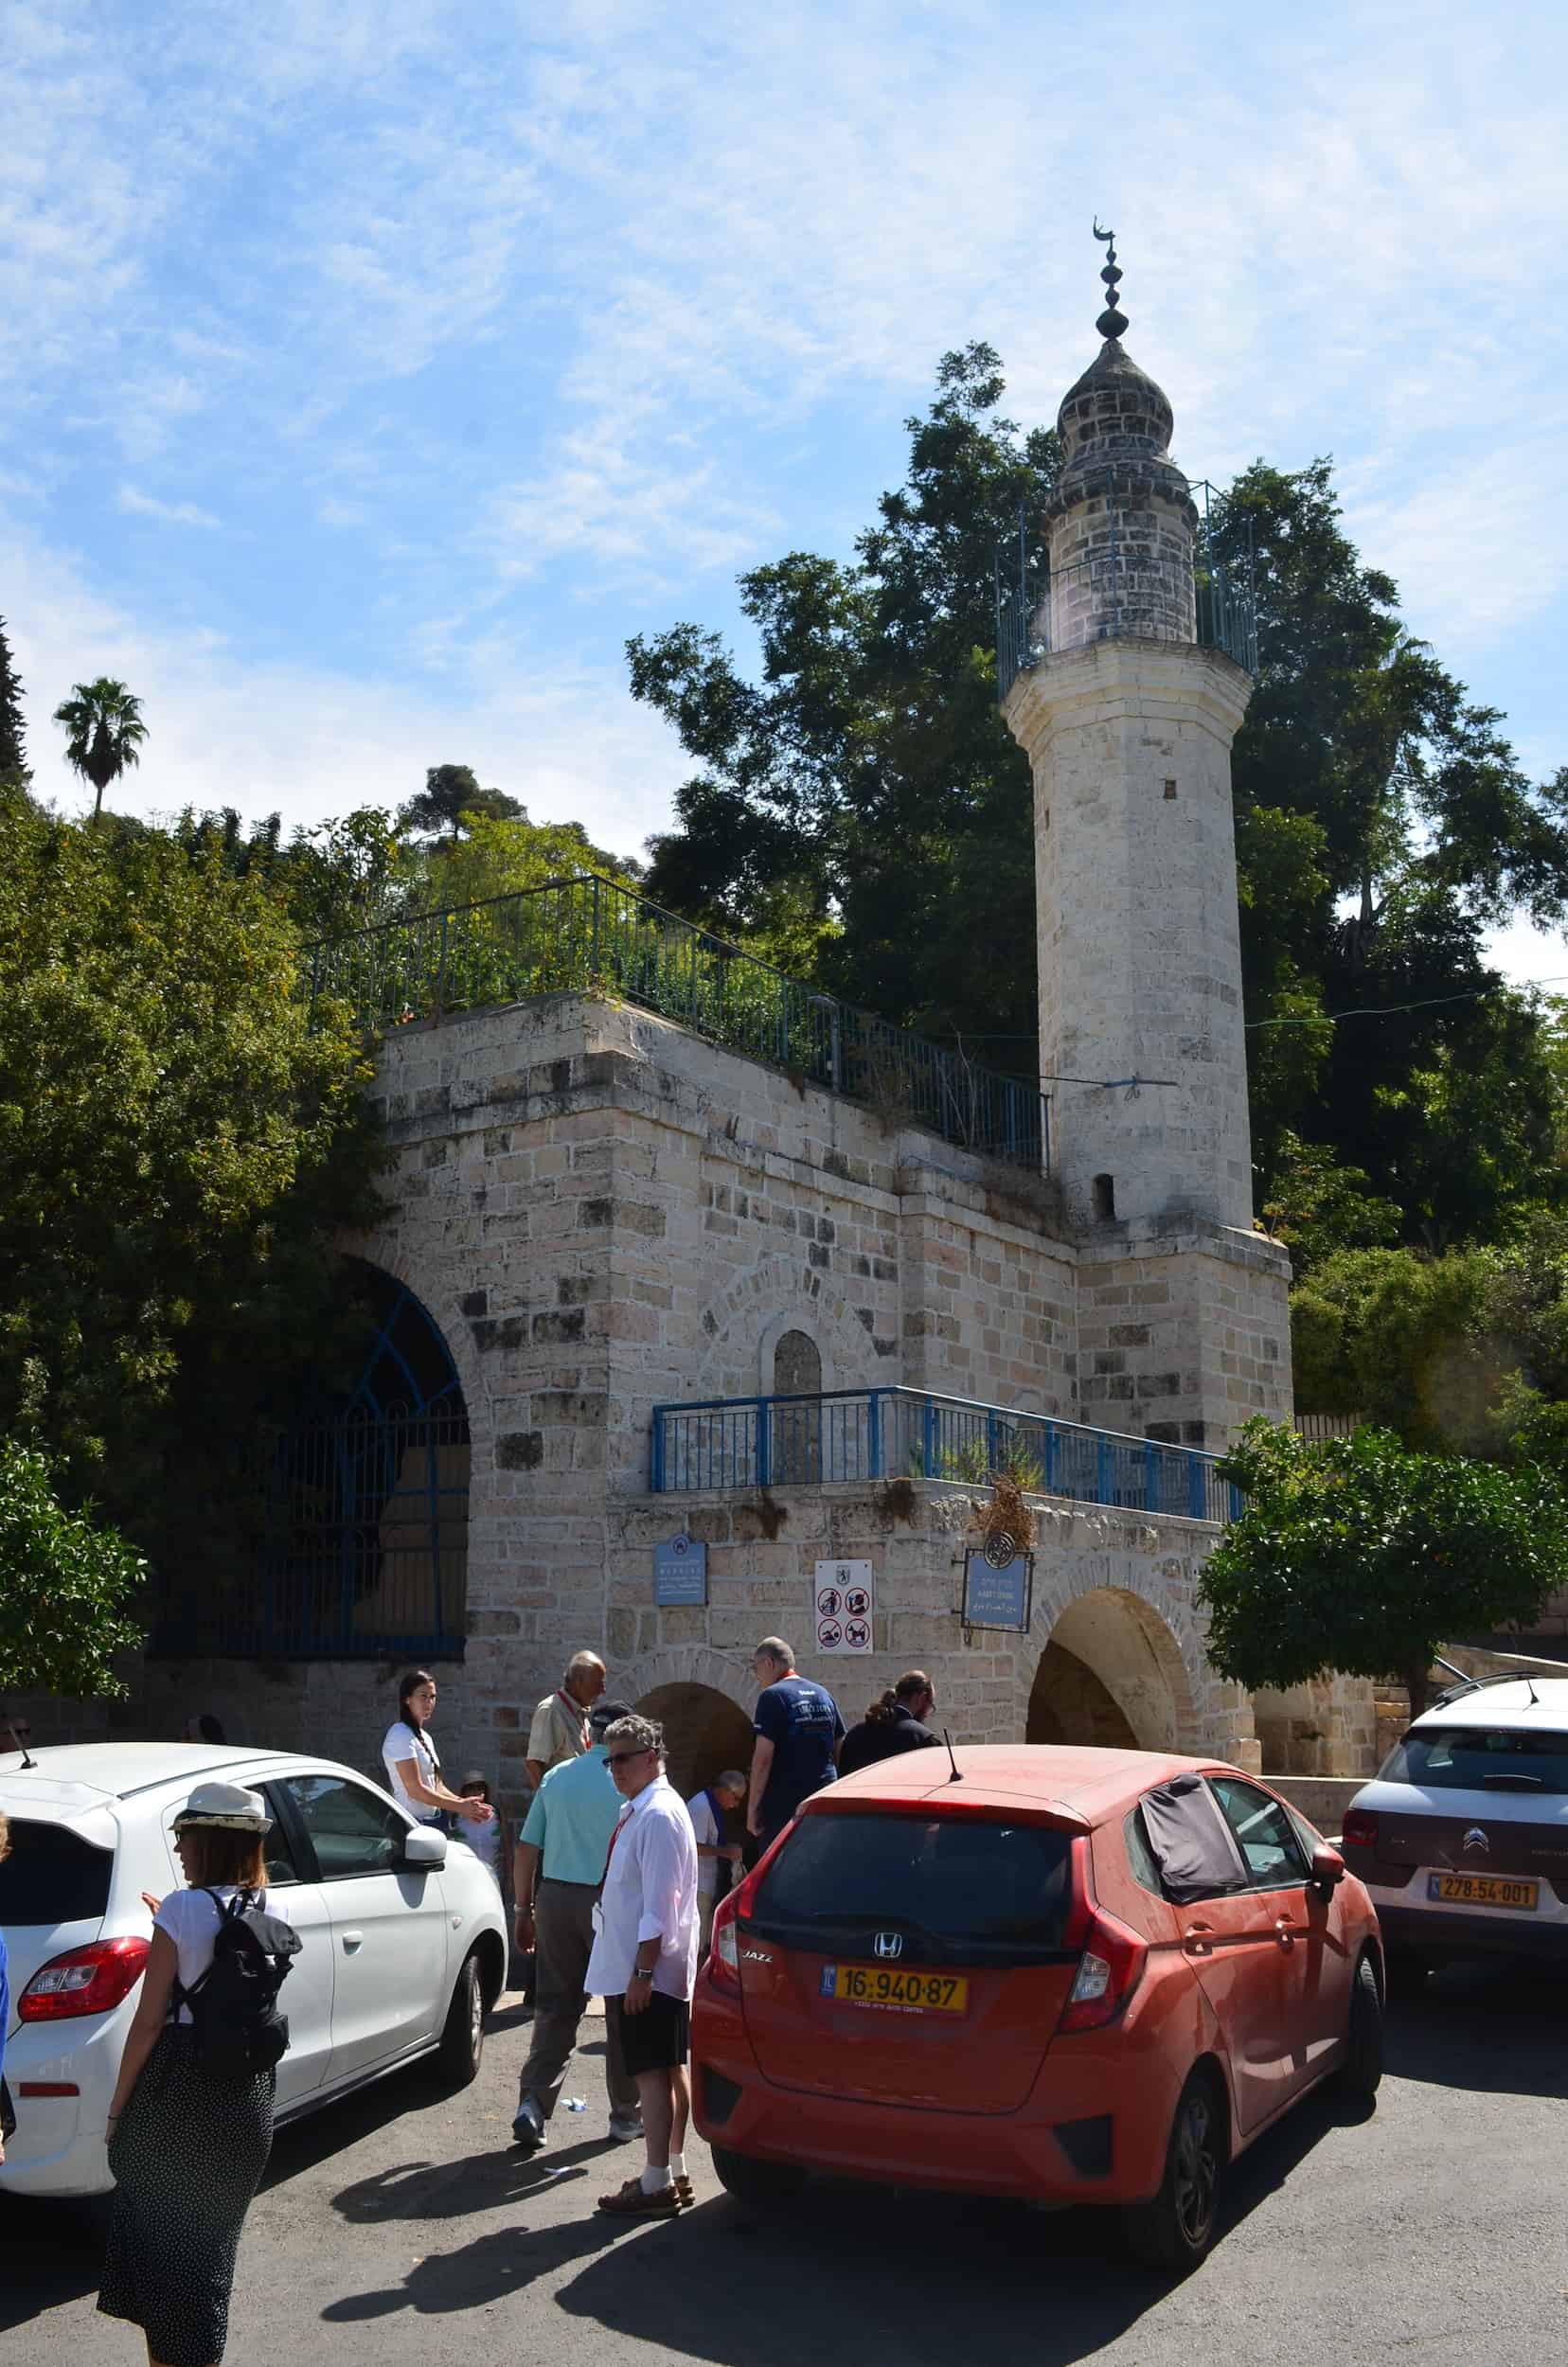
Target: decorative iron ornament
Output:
{"points": [[1112, 322], [1001, 1549]]}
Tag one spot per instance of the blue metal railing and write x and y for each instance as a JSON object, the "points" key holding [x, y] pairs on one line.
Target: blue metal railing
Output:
{"points": [[911, 1433], [587, 934]]}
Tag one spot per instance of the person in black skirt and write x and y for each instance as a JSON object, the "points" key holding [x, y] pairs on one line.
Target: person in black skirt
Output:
{"points": [[894, 1724], [186, 2150]]}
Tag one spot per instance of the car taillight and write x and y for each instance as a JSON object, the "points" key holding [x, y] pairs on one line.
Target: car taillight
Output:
{"points": [[1113, 1956], [88, 1980], [724, 1962], [1361, 1829]]}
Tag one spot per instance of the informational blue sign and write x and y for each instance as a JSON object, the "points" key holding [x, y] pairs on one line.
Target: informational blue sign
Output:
{"points": [[680, 1571], [998, 1597]]}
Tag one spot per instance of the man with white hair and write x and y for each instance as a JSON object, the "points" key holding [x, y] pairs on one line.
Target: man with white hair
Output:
{"points": [[644, 1963], [716, 1854], [559, 1726]]}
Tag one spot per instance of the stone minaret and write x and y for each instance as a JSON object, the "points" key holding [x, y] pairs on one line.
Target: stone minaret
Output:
{"points": [[1127, 720]]}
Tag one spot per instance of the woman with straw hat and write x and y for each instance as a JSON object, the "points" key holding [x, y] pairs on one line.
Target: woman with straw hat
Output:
{"points": [[187, 2149]]}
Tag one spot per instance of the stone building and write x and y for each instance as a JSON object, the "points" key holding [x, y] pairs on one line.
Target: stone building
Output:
{"points": [[653, 1272]]}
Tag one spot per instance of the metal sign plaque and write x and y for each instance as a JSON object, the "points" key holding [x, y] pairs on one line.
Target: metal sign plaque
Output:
{"points": [[842, 1605], [680, 1571], [998, 1597]]}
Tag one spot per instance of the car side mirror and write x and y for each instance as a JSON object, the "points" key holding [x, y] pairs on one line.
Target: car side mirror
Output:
{"points": [[426, 1847], [1328, 1868]]}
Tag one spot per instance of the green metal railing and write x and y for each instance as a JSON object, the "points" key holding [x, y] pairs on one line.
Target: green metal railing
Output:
{"points": [[587, 934]]}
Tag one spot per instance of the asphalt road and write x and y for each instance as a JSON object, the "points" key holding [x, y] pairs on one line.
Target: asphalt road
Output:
{"points": [[400, 2231]]}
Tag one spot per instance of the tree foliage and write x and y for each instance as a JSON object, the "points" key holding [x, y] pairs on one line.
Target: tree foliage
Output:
{"points": [[864, 778], [1361, 1556], [866, 795], [180, 1146], [104, 731], [13, 746], [451, 794], [67, 1586]]}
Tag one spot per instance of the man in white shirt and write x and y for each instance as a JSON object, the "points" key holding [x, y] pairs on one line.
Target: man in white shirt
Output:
{"points": [[707, 1810], [644, 1963]]}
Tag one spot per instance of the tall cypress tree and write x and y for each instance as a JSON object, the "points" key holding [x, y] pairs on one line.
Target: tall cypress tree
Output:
{"points": [[13, 754]]}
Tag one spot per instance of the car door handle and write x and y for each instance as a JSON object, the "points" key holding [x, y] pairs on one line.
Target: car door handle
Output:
{"points": [[1284, 1931], [352, 1940], [1197, 1939]]}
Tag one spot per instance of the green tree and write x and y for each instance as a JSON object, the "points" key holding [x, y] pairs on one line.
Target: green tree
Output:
{"points": [[451, 793], [1382, 824], [501, 857], [867, 785], [102, 721], [67, 1586], [181, 1146], [1361, 1557], [13, 749]]}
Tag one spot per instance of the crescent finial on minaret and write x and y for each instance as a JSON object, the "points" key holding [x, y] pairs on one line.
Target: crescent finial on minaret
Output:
{"points": [[1111, 323]]}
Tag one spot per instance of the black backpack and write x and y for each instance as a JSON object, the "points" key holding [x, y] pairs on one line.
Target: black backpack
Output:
{"points": [[239, 2031]]}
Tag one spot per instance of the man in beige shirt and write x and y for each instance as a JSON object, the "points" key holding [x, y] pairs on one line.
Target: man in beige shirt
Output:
{"points": [[559, 1727]]}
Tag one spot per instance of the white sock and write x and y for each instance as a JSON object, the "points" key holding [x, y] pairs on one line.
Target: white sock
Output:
{"points": [[677, 2165], [654, 2179]]}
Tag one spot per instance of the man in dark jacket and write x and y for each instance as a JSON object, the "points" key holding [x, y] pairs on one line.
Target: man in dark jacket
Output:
{"points": [[895, 1723]]}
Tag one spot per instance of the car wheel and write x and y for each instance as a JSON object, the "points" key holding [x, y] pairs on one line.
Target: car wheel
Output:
{"points": [[758, 2183], [1175, 2229], [1405, 1971], [463, 2039], [1362, 2067]]}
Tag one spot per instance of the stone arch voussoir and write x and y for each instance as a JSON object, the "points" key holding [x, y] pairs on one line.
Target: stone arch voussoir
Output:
{"points": [[1160, 1587], [742, 1325], [728, 1673]]}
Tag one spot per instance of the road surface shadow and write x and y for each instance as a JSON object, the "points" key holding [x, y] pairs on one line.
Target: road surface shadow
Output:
{"points": [[49, 2252], [1495, 2027]]}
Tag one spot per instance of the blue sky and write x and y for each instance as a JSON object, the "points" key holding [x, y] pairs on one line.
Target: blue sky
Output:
{"points": [[370, 372]]}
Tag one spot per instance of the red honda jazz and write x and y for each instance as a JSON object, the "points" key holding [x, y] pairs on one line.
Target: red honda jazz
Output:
{"points": [[1078, 1976]]}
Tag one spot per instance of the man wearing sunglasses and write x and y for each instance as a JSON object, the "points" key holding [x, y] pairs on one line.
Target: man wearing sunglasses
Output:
{"points": [[644, 1963]]}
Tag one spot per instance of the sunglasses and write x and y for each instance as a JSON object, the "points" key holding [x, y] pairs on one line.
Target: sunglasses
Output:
{"points": [[618, 1758]]}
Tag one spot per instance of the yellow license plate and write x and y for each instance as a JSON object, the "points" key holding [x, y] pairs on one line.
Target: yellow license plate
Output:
{"points": [[1481, 1890], [883, 1985]]}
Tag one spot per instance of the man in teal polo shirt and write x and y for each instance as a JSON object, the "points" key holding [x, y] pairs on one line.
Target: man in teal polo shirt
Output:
{"points": [[557, 1871]]}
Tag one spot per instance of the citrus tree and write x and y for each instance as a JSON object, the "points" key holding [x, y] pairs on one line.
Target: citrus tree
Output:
{"points": [[1361, 1557]]}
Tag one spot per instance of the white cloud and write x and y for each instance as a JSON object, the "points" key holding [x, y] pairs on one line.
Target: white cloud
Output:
{"points": [[307, 741], [170, 513]]}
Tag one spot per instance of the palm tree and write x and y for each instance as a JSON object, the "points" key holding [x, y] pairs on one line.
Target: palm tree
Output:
{"points": [[103, 721]]}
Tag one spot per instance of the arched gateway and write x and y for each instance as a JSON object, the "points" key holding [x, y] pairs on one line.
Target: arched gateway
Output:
{"points": [[1112, 1675]]}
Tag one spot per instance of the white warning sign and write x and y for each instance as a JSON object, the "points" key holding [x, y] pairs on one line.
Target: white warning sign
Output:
{"points": [[842, 1606]]}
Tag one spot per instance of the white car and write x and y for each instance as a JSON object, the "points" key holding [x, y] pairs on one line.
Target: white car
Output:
{"points": [[1462, 1838], [404, 1941]]}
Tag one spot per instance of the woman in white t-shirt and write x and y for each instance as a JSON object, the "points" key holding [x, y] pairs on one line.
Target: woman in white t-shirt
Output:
{"points": [[187, 2149], [412, 1768]]}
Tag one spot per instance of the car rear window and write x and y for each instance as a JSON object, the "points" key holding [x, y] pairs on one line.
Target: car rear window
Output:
{"points": [[1480, 1758], [958, 1885], [52, 1875]]}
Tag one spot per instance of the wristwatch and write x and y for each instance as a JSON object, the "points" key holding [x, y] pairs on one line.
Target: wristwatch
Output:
{"points": [[640, 1973]]}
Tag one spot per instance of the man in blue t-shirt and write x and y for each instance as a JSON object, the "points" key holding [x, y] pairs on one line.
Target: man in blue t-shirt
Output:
{"points": [[798, 1733]]}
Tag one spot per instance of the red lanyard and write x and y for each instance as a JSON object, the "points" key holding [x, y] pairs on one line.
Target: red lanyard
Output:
{"points": [[622, 1821]]}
